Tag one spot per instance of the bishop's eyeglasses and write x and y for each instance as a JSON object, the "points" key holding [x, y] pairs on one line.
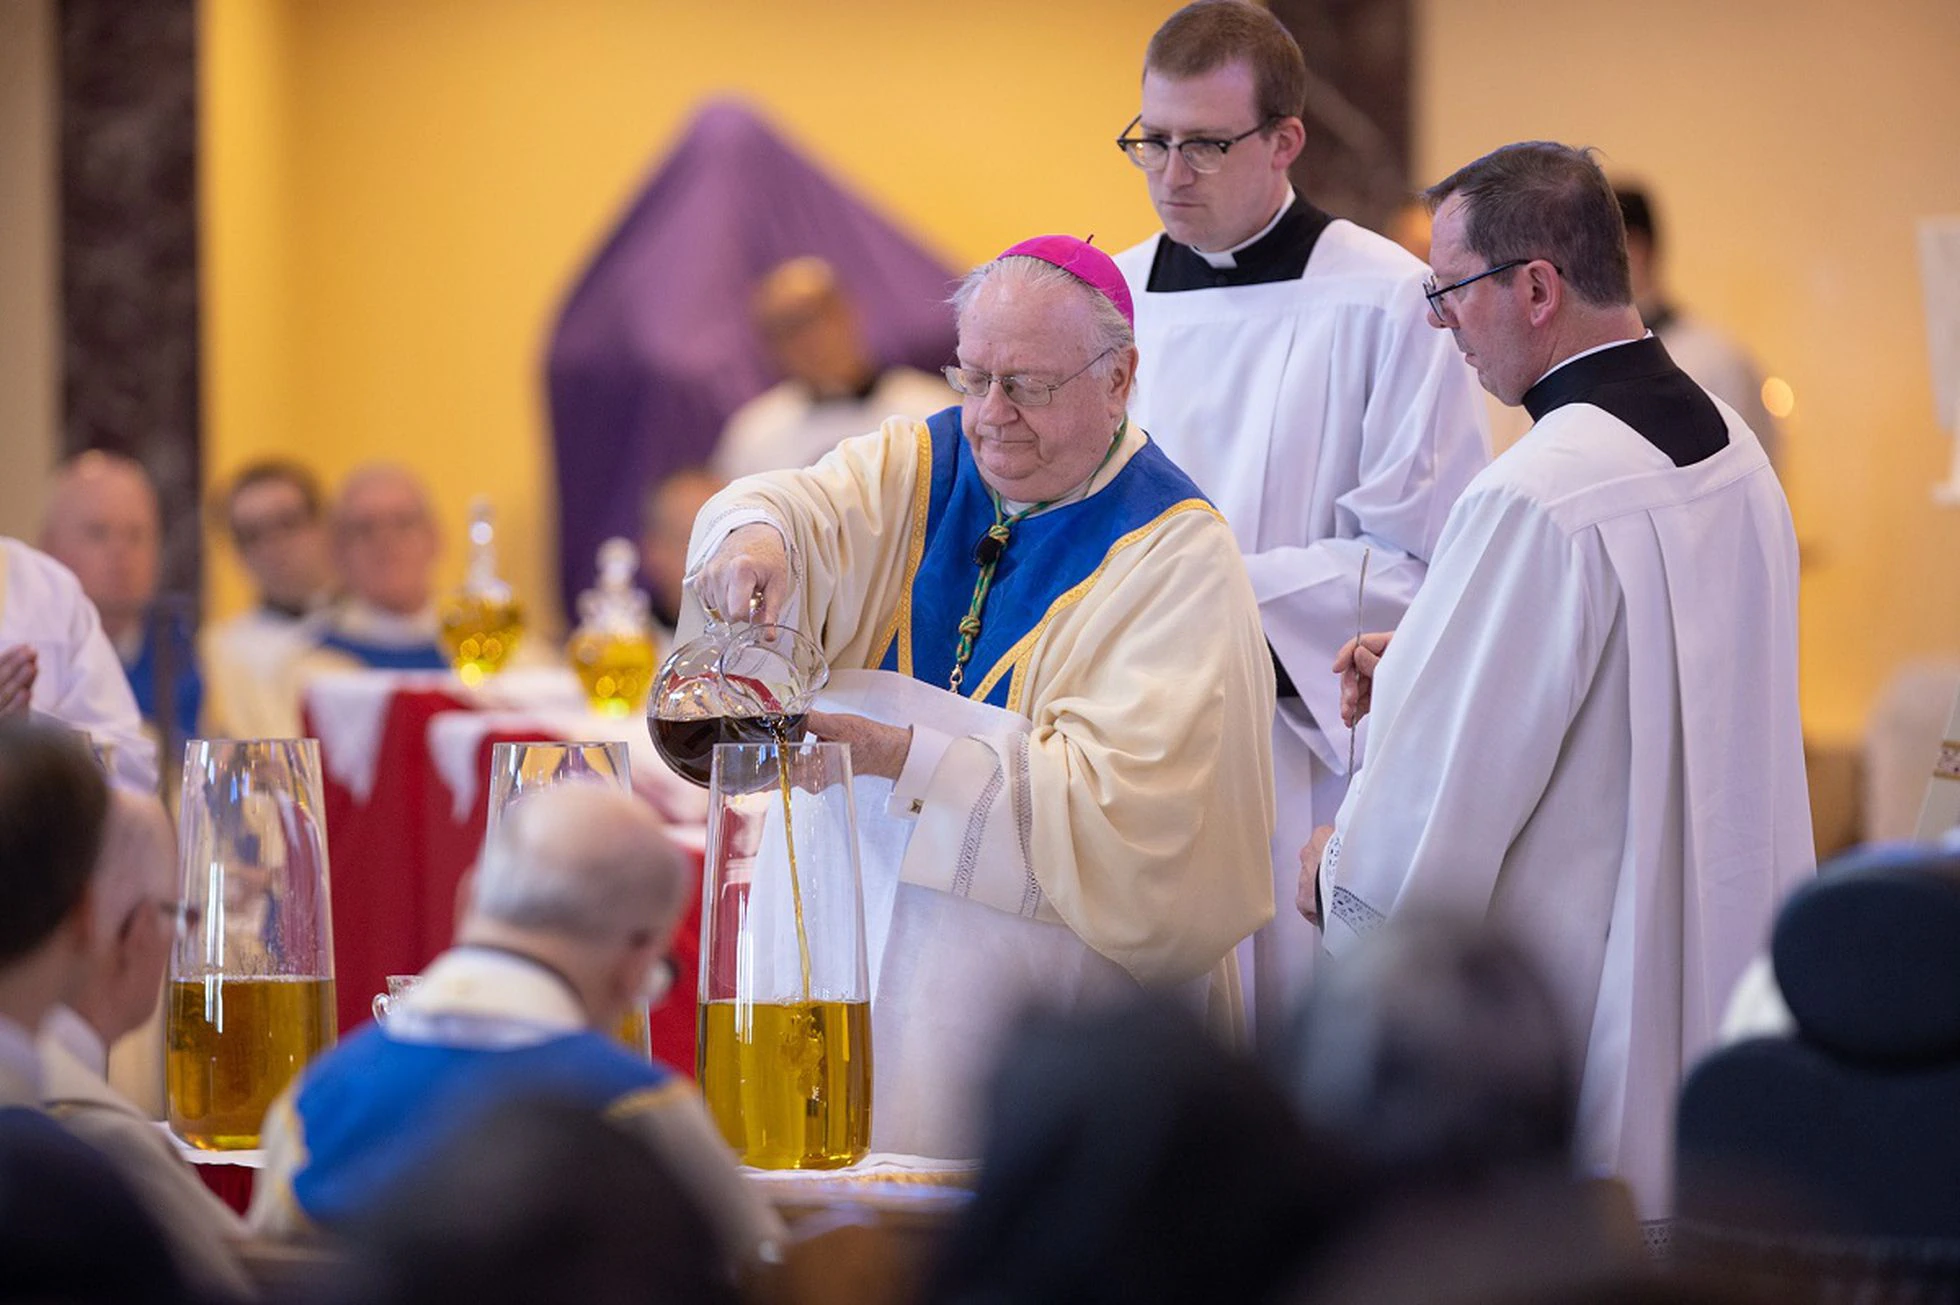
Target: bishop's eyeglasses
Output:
{"points": [[1201, 154], [1021, 391]]}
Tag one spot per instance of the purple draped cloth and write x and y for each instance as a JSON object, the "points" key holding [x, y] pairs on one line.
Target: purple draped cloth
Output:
{"points": [[654, 349]]}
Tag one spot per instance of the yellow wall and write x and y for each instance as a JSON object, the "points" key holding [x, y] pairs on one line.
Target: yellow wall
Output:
{"points": [[1792, 143], [398, 194]]}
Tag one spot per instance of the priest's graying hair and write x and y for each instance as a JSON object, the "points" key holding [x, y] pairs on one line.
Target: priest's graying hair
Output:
{"points": [[580, 860], [1112, 330], [1436, 1048], [1540, 199]]}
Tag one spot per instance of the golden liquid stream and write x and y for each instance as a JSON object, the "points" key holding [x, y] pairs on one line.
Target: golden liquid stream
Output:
{"points": [[789, 841]]}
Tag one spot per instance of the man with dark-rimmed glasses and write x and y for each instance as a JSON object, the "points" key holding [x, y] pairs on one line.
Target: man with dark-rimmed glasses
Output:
{"points": [[1292, 376], [1585, 730]]}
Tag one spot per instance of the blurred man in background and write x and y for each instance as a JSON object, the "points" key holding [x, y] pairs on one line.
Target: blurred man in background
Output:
{"points": [[385, 545], [832, 388], [275, 517], [103, 524], [665, 523], [1716, 360]]}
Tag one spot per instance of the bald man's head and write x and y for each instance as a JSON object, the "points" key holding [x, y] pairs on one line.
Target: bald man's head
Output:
{"points": [[385, 540], [583, 861], [582, 878], [103, 524]]}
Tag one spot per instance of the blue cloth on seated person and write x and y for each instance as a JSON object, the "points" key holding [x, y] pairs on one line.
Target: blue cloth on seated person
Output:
{"points": [[376, 1107], [389, 657]]}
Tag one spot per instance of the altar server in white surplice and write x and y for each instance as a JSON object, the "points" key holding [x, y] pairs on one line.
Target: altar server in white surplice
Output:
{"points": [[1047, 660], [1289, 372], [1586, 725]]}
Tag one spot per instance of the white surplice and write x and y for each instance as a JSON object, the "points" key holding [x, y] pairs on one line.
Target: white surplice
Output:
{"points": [[79, 680], [1586, 727], [1322, 416]]}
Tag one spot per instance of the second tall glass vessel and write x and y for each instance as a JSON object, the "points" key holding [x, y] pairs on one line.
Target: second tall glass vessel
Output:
{"points": [[784, 1046], [251, 996]]}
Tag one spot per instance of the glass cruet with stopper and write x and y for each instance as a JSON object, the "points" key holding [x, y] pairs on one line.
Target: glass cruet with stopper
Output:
{"points": [[482, 621], [612, 650]]}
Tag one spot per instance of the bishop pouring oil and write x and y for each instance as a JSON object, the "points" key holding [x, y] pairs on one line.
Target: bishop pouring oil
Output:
{"points": [[1046, 661]]}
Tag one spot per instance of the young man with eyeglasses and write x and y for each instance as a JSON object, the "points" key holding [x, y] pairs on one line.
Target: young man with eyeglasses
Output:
{"points": [[1585, 729], [275, 517], [1292, 376]]}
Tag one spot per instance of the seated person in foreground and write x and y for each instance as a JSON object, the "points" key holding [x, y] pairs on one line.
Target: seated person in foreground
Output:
{"points": [[831, 389], [52, 804], [1047, 659], [570, 914], [135, 907], [484, 1221]]}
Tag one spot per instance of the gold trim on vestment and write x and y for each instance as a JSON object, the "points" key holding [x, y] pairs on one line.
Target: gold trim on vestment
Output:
{"points": [[900, 626], [641, 1100], [1015, 659]]}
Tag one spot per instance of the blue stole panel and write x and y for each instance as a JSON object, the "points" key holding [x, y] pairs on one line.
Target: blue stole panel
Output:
{"points": [[375, 1107], [1046, 556], [389, 657]]}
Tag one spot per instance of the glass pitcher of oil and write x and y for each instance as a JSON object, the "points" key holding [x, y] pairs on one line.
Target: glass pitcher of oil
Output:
{"points": [[735, 683], [783, 1052]]}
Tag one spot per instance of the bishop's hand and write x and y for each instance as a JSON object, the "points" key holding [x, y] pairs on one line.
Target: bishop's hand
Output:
{"points": [[876, 748], [746, 578], [1355, 664]]}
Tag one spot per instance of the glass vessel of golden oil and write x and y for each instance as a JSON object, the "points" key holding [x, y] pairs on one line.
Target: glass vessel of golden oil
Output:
{"points": [[783, 1052], [251, 990], [482, 621], [612, 650]]}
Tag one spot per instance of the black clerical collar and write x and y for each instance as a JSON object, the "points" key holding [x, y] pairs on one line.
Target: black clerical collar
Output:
{"points": [[1639, 384], [1279, 255]]}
